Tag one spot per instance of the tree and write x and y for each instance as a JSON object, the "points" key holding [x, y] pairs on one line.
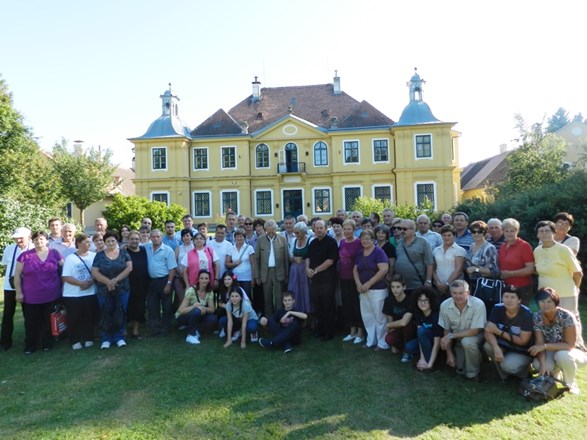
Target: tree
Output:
{"points": [[558, 120], [536, 162], [86, 176], [130, 211]]}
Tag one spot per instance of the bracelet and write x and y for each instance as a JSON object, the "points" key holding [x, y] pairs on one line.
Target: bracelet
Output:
{"points": [[545, 349]]}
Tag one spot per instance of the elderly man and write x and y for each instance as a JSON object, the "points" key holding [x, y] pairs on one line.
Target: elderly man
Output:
{"points": [[321, 269], [357, 216], [146, 221], [65, 245], [100, 226], [463, 319], [413, 258], [161, 264], [463, 236], [21, 237], [434, 239], [388, 215], [496, 237], [271, 266]]}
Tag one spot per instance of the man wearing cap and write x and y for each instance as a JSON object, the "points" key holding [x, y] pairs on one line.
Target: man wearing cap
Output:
{"points": [[22, 243]]}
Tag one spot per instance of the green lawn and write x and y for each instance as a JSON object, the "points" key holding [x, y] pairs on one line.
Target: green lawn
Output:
{"points": [[163, 388]]}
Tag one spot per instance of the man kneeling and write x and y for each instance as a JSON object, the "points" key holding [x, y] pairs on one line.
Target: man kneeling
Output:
{"points": [[285, 325]]}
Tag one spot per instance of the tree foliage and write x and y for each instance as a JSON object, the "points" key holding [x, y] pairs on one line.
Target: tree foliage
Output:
{"points": [[536, 162], [368, 205], [86, 175], [558, 120], [130, 210]]}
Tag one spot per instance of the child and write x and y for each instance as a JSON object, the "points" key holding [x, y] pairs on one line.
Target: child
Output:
{"points": [[197, 308], [239, 315], [285, 324], [398, 309]]}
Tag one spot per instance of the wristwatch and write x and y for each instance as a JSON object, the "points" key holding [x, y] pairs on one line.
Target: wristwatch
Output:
{"points": [[477, 269], [169, 283]]}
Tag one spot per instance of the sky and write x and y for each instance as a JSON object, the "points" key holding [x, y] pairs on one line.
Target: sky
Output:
{"points": [[94, 71]]}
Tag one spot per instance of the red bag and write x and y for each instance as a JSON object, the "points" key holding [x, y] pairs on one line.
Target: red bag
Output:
{"points": [[58, 321]]}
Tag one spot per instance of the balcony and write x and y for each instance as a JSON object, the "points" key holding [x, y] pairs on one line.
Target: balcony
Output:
{"points": [[291, 167]]}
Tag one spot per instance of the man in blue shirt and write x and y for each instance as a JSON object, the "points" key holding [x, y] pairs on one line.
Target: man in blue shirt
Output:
{"points": [[463, 236], [162, 265], [170, 238]]}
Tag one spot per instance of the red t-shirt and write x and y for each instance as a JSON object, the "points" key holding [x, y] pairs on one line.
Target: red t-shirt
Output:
{"points": [[515, 257]]}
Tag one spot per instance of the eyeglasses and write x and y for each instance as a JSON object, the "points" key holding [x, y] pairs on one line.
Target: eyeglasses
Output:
{"points": [[248, 224], [399, 228], [477, 231]]}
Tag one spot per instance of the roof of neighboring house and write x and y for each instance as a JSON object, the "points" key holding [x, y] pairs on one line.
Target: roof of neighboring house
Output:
{"points": [[123, 183], [484, 173], [316, 104]]}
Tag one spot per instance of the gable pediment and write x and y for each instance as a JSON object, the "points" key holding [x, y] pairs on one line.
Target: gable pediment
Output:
{"points": [[290, 128]]}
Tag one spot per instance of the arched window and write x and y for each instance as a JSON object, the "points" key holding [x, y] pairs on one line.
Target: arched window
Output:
{"points": [[291, 157], [262, 155], [320, 154]]}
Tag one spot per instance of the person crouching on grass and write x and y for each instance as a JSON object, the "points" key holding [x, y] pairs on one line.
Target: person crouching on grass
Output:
{"points": [[285, 324], [241, 316]]}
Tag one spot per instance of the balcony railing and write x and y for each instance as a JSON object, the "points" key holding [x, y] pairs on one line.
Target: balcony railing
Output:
{"points": [[291, 167]]}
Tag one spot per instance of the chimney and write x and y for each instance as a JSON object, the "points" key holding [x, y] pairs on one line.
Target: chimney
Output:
{"points": [[503, 148], [256, 90], [336, 83]]}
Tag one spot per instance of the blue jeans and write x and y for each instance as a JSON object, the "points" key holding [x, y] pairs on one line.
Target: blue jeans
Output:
{"points": [[424, 341], [195, 321], [237, 324], [119, 335]]}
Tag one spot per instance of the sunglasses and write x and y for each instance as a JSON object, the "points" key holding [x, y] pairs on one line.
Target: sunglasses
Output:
{"points": [[248, 224], [477, 231], [399, 228]]}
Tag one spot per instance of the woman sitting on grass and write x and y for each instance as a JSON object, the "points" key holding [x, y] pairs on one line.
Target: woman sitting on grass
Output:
{"points": [[197, 308], [240, 317], [228, 282]]}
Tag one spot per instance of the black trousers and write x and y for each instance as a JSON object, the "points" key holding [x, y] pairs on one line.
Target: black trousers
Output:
{"points": [[82, 313], [324, 303], [37, 325], [8, 319], [159, 305]]}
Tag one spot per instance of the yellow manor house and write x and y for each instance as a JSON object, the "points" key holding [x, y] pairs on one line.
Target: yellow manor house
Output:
{"points": [[292, 150]]}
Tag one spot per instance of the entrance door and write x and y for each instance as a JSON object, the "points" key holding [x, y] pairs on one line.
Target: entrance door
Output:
{"points": [[291, 157], [293, 203]]}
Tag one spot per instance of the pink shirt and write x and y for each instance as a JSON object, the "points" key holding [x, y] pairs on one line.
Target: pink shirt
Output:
{"points": [[346, 258]]}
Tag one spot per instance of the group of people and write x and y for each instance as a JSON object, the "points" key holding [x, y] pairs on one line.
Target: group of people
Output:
{"points": [[395, 284]]}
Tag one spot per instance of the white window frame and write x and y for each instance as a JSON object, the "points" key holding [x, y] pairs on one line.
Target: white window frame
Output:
{"points": [[314, 212], [210, 201], [167, 193], [270, 190], [431, 147], [314, 156], [382, 186], [207, 159], [344, 196], [222, 157], [238, 200], [373, 150], [358, 152], [428, 182], [153, 162], [268, 155]]}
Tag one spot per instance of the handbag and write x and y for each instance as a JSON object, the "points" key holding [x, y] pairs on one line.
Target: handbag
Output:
{"points": [[58, 321], [489, 291], [11, 277], [542, 388], [112, 316]]}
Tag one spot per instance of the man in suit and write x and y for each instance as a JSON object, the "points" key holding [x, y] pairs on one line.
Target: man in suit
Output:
{"points": [[271, 266]]}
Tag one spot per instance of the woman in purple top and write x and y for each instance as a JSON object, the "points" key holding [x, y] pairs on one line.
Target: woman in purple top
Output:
{"points": [[371, 266], [38, 287], [348, 249]]}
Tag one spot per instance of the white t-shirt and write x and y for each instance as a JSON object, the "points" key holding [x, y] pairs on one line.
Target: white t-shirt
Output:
{"points": [[7, 258], [221, 249], [75, 268], [244, 271]]}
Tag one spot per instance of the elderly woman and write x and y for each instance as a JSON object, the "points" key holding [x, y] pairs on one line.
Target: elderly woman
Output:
{"points": [[508, 335], [555, 345], [79, 294], [139, 282], [199, 258], [38, 287], [348, 249], [449, 260], [563, 222], [558, 268], [110, 269], [481, 258], [250, 236], [299, 282], [516, 260], [371, 266], [240, 259], [98, 242]]}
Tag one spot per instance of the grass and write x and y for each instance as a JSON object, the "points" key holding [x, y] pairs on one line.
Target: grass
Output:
{"points": [[163, 388]]}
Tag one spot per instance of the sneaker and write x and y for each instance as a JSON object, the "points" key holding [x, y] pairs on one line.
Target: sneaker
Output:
{"points": [[192, 339], [348, 338], [407, 357], [77, 346], [287, 349], [222, 334], [198, 334], [357, 340], [236, 336], [121, 343], [89, 344], [254, 337], [105, 345], [574, 388], [265, 342]]}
